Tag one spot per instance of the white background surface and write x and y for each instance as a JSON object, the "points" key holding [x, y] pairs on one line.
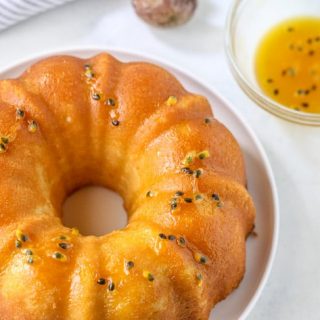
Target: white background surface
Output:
{"points": [[292, 291]]}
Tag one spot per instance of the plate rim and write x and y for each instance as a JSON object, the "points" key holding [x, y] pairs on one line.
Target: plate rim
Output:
{"points": [[165, 63]]}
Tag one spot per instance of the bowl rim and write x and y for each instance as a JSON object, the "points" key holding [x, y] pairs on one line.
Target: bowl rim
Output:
{"points": [[263, 101], [70, 50]]}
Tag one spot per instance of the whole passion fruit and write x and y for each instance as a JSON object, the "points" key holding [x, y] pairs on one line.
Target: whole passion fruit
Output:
{"points": [[165, 13]]}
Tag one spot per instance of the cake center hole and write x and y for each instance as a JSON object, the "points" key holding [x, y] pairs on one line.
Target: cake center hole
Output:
{"points": [[94, 211]]}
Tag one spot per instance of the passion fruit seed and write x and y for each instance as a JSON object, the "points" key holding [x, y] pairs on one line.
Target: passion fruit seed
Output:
{"points": [[96, 96], [30, 260], [3, 148], [28, 252], [21, 236], [75, 232], [198, 197], [199, 279], [181, 242], [111, 286], [148, 275], [18, 243], [198, 173], [199, 276], [115, 122], [63, 237], [19, 114], [203, 154], [64, 245], [151, 194], [219, 204], [110, 102], [89, 73], [200, 258], [59, 256], [215, 197], [186, 170], [32, 126], [5, 140], [171, 101], [173, 203], [129, 265], [188, 159]]}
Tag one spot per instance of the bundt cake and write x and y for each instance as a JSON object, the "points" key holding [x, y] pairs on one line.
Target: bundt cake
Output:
{"points": [[66, 123]]}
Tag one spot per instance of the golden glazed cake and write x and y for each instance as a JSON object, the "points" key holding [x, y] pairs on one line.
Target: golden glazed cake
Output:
{"points": [[131, 127]]}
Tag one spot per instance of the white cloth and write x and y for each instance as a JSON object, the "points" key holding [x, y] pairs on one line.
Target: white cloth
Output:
{"points": [[14, 11]]}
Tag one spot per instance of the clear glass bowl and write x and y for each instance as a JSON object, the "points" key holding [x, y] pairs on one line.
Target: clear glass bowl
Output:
{"points": [[247, 22]]}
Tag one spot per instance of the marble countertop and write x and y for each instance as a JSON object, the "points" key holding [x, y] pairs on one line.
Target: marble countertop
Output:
{"points": [[292, 291]]}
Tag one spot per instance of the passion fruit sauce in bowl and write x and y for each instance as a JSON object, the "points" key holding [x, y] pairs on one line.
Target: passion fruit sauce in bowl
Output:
{"points": [[287, 64], [268, 56]]}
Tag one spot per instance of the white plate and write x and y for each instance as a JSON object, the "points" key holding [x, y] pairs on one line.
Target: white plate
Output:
{"points": [[260, 249]]}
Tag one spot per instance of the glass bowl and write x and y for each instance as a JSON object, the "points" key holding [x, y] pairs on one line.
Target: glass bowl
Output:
{"points": [[247, 22]]}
